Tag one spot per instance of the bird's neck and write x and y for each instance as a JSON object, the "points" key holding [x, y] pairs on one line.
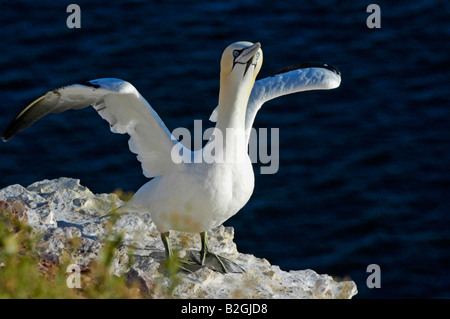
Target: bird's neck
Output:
{"points": [[233, 100]]}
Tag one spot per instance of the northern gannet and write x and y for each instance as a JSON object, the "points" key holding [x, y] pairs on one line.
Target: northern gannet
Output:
{"points": [[196, 196]]}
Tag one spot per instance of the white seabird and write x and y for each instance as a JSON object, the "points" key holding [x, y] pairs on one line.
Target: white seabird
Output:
{"points": [[191, 197]]}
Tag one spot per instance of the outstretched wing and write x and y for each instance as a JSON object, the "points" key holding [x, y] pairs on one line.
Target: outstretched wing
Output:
{"points": [[119, 103], [293, 79]]}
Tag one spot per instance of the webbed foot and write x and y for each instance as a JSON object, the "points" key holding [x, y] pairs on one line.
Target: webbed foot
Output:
{"points": [[216, 262], [199, 259]]}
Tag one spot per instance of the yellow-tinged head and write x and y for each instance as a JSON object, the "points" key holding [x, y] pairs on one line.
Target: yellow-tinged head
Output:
{"points": [[241, 61]]}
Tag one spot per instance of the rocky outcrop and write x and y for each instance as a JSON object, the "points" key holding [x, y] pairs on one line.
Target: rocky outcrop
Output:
{"points": [[62, 210]]}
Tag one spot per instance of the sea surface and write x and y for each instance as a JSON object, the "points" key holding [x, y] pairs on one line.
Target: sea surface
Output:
{"points": [[364, 174]]}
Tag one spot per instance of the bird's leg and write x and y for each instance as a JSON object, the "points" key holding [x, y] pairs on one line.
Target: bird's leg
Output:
{"points": [[214, 261], [183, 264], [205, 248]]}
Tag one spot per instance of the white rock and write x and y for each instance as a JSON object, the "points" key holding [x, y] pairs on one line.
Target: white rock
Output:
{"points": [[39, 216], [65, 210]]}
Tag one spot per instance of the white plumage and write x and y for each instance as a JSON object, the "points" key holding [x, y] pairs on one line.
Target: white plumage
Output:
{"points": [[192, 197]]}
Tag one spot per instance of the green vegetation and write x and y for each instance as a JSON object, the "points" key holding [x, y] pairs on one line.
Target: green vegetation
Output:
{"points": [[24, 273], [125, 196]]}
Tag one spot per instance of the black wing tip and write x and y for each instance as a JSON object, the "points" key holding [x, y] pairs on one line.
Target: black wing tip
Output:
{"points": [[10, 131], [8, 134], [89, 83], [306, 65], [15, 125]]}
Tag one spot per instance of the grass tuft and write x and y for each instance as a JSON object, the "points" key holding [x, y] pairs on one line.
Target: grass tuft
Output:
{"points": [[24, 273]]}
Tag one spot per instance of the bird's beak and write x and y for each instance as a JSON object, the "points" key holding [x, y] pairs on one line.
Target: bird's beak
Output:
{"points": [[249, 53], [247, 56]]}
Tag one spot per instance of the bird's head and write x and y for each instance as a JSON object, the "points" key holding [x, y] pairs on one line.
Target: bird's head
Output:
{"points": [[241, 62]]}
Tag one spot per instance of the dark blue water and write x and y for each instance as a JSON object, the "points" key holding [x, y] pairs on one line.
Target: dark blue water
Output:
{"points": [[364, 172]]}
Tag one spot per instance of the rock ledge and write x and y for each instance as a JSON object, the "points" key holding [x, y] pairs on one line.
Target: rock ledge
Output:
{"points": [[63, 209]]}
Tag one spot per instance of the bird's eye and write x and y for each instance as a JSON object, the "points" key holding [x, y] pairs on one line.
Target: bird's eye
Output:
{"points": [[236, 53]]}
